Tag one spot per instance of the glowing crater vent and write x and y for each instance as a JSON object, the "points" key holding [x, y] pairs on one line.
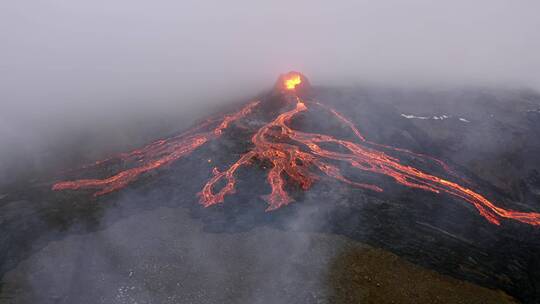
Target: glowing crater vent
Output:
{"points": [[291, 83]]}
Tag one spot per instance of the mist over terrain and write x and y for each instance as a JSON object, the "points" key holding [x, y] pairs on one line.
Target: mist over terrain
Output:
{"points": [[106, 71], [80, 81]]}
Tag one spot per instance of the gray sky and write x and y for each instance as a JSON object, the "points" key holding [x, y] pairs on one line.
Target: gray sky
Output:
{"points": [[68, 62], [64, 51]]}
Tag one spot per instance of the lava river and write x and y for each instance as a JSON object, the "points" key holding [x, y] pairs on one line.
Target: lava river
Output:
{"points": [[300, 156]]}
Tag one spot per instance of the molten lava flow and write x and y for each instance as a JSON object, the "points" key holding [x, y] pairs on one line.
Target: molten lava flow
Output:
{"points": [[285, 158], [289, 159], [297, 157], [155, 155], [292, 81], [420, 156]]}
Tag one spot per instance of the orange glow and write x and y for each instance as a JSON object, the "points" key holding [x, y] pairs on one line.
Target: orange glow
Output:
{"points": [[292, 82]]}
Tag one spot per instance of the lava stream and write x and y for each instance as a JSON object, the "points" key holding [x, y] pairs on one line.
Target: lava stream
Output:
{"points": [[157, 154]]}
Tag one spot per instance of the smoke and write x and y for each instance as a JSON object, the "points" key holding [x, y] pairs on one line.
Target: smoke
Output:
{"points": [[71, 67], [80, 80], [151, 249]]}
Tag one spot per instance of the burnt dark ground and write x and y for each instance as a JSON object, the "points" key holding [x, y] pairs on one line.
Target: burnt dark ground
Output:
{"points": [[498, 150]]}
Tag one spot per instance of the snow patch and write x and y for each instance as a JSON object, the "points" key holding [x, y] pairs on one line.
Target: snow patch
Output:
{"points": [[436, 117], [412, 116]]}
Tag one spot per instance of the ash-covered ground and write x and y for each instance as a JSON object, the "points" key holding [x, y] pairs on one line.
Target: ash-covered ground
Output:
{"points": [[152, 242]]}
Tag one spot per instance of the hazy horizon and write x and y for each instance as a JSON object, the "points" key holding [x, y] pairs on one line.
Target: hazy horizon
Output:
{"points": [[70, 64]]}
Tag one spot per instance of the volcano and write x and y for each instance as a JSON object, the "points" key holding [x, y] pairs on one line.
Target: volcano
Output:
{"points": [[443, 181], [299, 158]]}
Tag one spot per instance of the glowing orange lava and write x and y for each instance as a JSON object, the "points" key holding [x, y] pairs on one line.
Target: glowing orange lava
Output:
{"points": [[292, 81], [302, 158], [156, 155]]}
